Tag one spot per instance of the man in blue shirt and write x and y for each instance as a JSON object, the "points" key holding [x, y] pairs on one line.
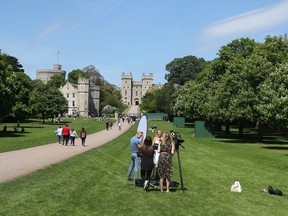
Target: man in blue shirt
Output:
{"points": [[135, 144]]}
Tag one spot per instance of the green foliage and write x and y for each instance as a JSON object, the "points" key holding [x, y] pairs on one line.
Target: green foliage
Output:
{"points": [[47, 102], [94, 74], [6, 93], [74, 75], [56, 81], [22, 87], [273, 97], [110, 95], [149, 103], [184, 69]]}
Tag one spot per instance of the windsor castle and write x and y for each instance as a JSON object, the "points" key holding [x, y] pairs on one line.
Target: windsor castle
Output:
{"points": [[84, 97]]}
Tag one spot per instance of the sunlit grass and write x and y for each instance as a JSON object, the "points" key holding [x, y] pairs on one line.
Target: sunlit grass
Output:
{"points": [[94, 183]]}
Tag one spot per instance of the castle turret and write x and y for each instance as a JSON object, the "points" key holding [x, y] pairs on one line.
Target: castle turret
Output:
{"points": [[126, 88], [147, 82], [45, 74], [83, 96]]}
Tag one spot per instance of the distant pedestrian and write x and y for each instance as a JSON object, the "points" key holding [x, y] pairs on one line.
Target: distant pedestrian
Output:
{"points": [[59, 134], [73, 135], [83, 136], [65, 134], [107, 125], [119, 125]]}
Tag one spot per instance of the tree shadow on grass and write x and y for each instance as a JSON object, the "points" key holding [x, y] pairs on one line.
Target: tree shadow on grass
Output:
{"points": [[276, 147], [12, 134], [234, 138]]}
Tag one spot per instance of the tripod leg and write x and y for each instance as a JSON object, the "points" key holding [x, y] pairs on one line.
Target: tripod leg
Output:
{"points": [[181, 179]]}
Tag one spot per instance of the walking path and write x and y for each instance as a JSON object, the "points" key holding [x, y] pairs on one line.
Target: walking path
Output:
{"points": [[21, 162]]}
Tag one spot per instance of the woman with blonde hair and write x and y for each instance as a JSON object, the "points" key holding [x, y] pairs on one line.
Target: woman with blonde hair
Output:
{"points": [[166, 149]]}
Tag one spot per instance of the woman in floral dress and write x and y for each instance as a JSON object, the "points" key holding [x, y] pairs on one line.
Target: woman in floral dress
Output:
{"points": [[166, 149]]}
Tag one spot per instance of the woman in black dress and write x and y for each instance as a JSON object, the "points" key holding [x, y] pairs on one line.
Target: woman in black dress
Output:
{"points": [[147, 164], [166, 149]]}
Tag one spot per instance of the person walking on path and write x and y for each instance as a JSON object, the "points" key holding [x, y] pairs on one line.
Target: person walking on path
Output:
{"points": [[119, 125], [83, 136], [65, 134], [73, 135], [59, 134], [135, 143]]}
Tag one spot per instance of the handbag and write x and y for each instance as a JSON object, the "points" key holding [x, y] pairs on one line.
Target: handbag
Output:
{"points": [[236, 187], [156, 158]]}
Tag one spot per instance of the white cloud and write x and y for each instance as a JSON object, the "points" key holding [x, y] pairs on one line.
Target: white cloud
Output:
{"points": [[250, 22], [51, 28]]}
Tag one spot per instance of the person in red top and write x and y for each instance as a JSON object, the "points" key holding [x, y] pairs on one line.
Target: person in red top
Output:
{"points": [[65, 134]]}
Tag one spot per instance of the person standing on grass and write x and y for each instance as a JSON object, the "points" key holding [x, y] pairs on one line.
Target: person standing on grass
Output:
{"points": [[135, 143], [147, 164], [65, 134], [73, 135], [59, 134], [166, 149], [83, 136]]}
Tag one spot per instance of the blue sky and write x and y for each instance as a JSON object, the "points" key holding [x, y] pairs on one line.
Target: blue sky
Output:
{"points": [[138, 36]]}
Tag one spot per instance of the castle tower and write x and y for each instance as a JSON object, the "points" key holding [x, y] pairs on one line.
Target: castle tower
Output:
{"points": [[45, 74], [94, 99], [126, 88], [147, 80], [83, 96]]}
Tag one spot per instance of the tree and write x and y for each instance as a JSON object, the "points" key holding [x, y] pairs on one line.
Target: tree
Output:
{"points": [[273, 98], [12, 61], [184, 69], [6, 93], [94, 75], [74, 75], [22, 87], [56, 81], [47, 101], [149, 102]]}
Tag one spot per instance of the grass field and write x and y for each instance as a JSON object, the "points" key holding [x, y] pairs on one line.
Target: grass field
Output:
{"points": [[94, 183], [37, 133]]}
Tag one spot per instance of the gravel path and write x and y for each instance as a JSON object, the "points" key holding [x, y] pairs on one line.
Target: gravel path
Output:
{"points": [[21, 162]]}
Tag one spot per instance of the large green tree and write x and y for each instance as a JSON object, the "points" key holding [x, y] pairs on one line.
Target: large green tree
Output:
{"points": [[9, 65], [47, 101], [22, 87], [181, 70]]}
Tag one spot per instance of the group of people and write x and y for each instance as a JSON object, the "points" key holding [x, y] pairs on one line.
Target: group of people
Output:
{"points": [[143, 155], [65, 134]]}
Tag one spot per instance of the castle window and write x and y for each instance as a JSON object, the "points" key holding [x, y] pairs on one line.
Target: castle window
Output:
{"points": [[73, 103], [73, 95], [125, 93], [136, 93], [147, 82], [125, 81], [67, 95]]}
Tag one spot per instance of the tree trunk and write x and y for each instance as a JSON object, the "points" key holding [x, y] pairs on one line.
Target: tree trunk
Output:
{"points": [[43, 119], [260, 132], [18, 123], [227, 128], [241, 128]]}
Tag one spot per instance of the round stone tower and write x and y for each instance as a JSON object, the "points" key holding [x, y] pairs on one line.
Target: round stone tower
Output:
{"points": [[45, 74]]}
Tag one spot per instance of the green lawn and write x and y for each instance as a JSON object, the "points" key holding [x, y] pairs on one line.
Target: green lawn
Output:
{"points": [[94, 183], [37, 133]]}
